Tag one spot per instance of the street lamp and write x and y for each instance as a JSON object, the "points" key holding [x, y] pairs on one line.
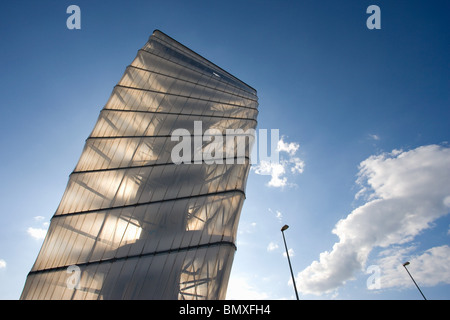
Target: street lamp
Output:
{"points": [[289, 260], [404, 265]]}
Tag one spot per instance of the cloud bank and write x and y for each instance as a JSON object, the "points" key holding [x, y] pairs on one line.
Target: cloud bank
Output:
{"points": [[404, 192], [431, 267]]}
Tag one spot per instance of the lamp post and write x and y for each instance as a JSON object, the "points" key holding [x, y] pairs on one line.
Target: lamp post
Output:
{"points": [[404, 265], [289, 260]]}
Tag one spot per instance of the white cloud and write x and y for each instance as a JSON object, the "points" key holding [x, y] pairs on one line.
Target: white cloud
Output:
{"points": [[408, 192], [275, 170], [272, 246], [279, 215], [2, 264], [286, 163], [298, 165], [291, 253], [37, 233], [430, 268], [291, 147], [374, 137]]}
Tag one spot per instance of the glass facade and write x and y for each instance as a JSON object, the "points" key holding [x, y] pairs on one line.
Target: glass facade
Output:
{"points": [[132, 224]]}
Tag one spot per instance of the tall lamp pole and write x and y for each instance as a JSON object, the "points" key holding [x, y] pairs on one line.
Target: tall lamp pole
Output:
{"points": [[289, 260], [404, 265]]}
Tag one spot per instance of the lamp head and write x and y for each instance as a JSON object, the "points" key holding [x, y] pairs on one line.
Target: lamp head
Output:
{"points": [[284, 227], [406, 263]]}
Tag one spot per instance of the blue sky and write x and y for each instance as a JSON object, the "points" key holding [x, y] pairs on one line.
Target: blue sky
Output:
{"points": [[363, 113]]}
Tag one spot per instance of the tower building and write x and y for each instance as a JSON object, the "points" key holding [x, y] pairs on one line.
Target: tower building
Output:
{"points": [[133, 223]]}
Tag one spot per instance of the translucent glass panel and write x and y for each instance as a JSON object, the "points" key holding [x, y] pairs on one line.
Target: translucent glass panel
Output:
{"points": [[140, 229], [145, 80], [113, 123], [113, 153], [127, 98], [96, 190], [163, 46], [136, 223], [146, 61], [192, 273]]}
